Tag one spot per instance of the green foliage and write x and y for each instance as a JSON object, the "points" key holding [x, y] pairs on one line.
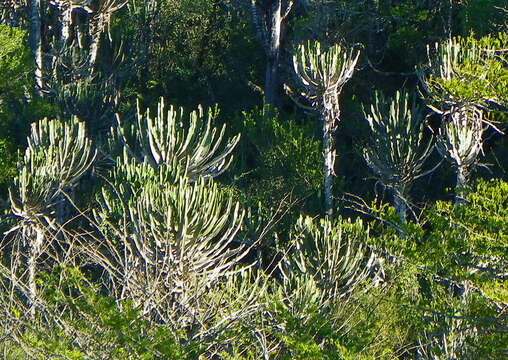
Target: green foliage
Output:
{"points": [[14, 77], [471, 234], [96, 326], [190, 52], [458, 255], [7, 164], [466, 71], [286, 152], [482, 16], [17, 106], [14, 61], [160, 262]]}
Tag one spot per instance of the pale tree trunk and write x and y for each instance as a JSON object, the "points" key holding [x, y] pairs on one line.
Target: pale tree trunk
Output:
{"points": [[461, 181], [273, 53], [95, 27], [328, 163], [36, 239], [400, 203], [269, 19], [94, 48], [150, 6], [65, 21], [330, 113], [35, 25]]}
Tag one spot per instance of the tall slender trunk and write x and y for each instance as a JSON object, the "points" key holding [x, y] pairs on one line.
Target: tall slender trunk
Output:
{"points": [[273, 53], [36, 43], [150, 8], [328, 163], [148, 38]]}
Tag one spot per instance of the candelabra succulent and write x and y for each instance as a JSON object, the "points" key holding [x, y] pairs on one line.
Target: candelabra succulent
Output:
{"points": [[332, 253], [465, 78], [398, 149], [57, 156], [166, 239], [190, 141], [323, 73]]}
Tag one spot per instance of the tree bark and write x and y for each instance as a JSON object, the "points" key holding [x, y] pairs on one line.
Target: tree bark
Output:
{"points": [[94, 49], [150, 8], [35, 25], [461, 181], [328, 163], [399, 203], [36, 241], [269, 19], [65, 21], [273, 53]]}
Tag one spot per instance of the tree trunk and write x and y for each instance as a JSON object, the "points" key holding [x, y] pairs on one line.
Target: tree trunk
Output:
{"points": [[36, 241], [328, 164], [94, 48], [268, 17], [65, 22], [399, 203], [461, 181], [150, 8], [273, 53], [35, 24]]}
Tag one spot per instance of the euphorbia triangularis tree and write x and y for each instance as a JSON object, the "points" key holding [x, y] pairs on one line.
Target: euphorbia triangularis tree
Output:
{"points": [[466, 77], [57, 156], [397, 149], [323, 73]]}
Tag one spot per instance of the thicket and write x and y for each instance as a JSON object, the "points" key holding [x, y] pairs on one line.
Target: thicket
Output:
{"points": [[340, 193]]}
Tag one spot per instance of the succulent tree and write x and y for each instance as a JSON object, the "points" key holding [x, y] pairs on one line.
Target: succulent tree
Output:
{"points": [[98, 17], [466, 77], [397, 149], [323, 73], [57, 156], [331, 253], [79, 24], [171, 137], [460, 141], [464, 72], [166, 240], [169, 232]]}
